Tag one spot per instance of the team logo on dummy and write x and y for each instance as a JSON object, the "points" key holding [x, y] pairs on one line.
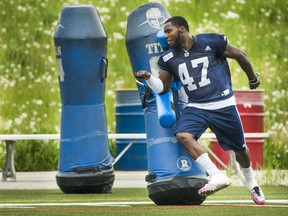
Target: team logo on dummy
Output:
{"points": [[184, 163], [155, 18]]}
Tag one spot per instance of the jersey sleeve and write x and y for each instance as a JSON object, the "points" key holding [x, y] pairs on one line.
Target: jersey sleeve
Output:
{"points": [[162, 65], [164, 62], [218, 43]]}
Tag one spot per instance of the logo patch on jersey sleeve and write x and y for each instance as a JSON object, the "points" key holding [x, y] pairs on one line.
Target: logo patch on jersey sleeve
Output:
{"points": [[225, 92], [167, 56], [208, 48]]}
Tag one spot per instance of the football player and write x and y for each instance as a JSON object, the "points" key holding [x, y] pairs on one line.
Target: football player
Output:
{"points": [[200, 63]]}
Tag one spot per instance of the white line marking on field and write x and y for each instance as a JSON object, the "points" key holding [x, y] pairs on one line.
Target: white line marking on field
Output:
{"points": [[5, 205], [245, 201], [281, 203]]}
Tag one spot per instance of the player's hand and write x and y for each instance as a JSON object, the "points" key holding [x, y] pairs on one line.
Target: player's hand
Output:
{"points": [[253, 84], [142, 74]]}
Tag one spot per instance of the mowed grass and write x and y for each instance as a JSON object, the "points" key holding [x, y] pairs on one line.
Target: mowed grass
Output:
{"points": [[127, 201]]}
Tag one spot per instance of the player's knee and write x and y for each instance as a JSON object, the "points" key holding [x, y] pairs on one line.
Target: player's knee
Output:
{"points": [[184, 137], [180, 137]]}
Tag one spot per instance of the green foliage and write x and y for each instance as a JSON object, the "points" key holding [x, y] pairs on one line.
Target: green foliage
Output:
{"points": [[35, 155], [276, 155], [29, 93]]}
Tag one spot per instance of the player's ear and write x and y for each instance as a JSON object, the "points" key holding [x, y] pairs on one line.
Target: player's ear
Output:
{"points": [[182, 29]]}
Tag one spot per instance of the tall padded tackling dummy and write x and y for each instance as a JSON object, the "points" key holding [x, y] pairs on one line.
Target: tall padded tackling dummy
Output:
{"points": [[85, 163], [174, 177]]}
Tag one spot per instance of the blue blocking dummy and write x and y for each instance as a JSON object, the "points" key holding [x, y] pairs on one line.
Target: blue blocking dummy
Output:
{"points": [[174, 177], [85, 163]]}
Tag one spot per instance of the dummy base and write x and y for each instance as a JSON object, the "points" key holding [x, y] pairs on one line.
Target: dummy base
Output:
{"points": [[99, 182], [181, 190]]}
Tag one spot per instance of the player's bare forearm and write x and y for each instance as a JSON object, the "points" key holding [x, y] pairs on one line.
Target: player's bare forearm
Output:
{"points": [[246, 66], [244, 63]]}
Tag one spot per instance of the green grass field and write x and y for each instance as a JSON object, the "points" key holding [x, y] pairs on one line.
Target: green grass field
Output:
{"points": [[135, 201]]}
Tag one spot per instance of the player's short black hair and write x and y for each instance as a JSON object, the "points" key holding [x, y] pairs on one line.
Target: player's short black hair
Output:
{"points": [[178, 21]]}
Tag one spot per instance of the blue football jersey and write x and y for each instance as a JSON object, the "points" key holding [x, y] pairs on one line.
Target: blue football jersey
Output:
{"points": [[203, 70]]}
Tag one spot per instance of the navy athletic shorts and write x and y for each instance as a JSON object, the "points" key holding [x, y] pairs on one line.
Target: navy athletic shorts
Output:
{"points": [[224, 122]]}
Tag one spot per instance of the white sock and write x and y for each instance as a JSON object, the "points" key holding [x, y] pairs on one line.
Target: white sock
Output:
{"points": [[248, 174], [206, 163]]}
